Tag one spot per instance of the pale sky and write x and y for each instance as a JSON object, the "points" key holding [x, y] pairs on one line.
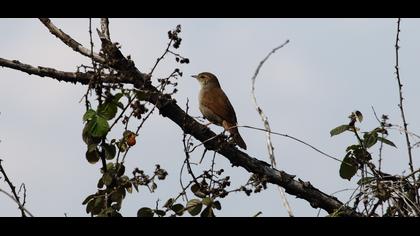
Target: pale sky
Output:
{"points": [[330, 68]]}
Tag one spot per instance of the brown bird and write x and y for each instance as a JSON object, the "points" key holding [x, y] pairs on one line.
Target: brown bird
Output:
{"points": [[216, 107]]}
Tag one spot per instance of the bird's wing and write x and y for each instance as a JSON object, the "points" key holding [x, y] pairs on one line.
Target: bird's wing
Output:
{"points": [[217, 101]]}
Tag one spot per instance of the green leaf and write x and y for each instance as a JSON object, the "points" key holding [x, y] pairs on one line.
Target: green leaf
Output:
{"points": [[370, 139], [107, 110], [89, 206], [92, 154], [122, 146], [207, 212], [107, 178], [110, 151], [359, 116], [362, 154], [87, 137], [386, 141], [89, 114], [88, 199], [120, 170], [195, 188], [338, 130], [145, 212], [99, 127], [169, 203], [100, 183], [110, 167], [348, 167], [208, 201], [98, 205], [194, 206], [353, 147], [365, 180], [117, 196], [178, 209], [217, 205], [117, 97], [160, 212]]}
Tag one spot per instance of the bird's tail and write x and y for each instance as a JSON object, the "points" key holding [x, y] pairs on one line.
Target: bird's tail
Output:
{"points": [[238, 139], [233, 130]]}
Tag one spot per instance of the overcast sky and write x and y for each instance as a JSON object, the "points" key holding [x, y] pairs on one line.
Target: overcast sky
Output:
{"points": [[330, 68]]}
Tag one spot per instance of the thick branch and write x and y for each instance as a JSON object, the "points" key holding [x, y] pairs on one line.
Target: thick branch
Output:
{"points": [[72, 77], [168, 108], [299, 188], [69, 41]]}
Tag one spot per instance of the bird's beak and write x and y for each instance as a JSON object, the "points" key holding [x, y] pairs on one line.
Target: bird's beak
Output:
{"points": [[194, 76]]}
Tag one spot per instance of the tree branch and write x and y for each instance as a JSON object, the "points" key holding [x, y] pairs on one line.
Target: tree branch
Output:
{"points": [[105, 28], [400, 105], [13, 188], [69, 41], [72, 77], [167, 106], [11, 197]]}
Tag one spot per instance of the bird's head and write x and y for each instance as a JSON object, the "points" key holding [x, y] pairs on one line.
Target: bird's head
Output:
{"points": [[207, 79]]}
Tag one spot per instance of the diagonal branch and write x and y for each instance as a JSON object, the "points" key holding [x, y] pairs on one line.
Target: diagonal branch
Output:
{"points": [[11, 197], [69, 41], [13, 188], [167, 106]]}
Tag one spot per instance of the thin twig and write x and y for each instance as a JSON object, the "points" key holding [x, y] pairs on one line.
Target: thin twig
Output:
{"points": [[296, 139], [13, 188], [130, 100], [264, 119], [161, 57], [382, 136], [186, 147], [400, 105], [212, 170], [22, 186], [11, 197]]}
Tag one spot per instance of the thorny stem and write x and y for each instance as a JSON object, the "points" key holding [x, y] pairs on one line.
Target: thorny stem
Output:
{"points": [[13, 188], [400, 105]]}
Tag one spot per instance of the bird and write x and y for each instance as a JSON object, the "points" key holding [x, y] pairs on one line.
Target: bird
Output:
{"points": [[216, 107]]}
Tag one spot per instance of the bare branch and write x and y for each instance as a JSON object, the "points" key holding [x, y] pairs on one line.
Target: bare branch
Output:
{"points": [[69, 41], [264, 119], [400, 105], [13, 188], [75, 77], [167, 106], [72, 77], [11, 197]]}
